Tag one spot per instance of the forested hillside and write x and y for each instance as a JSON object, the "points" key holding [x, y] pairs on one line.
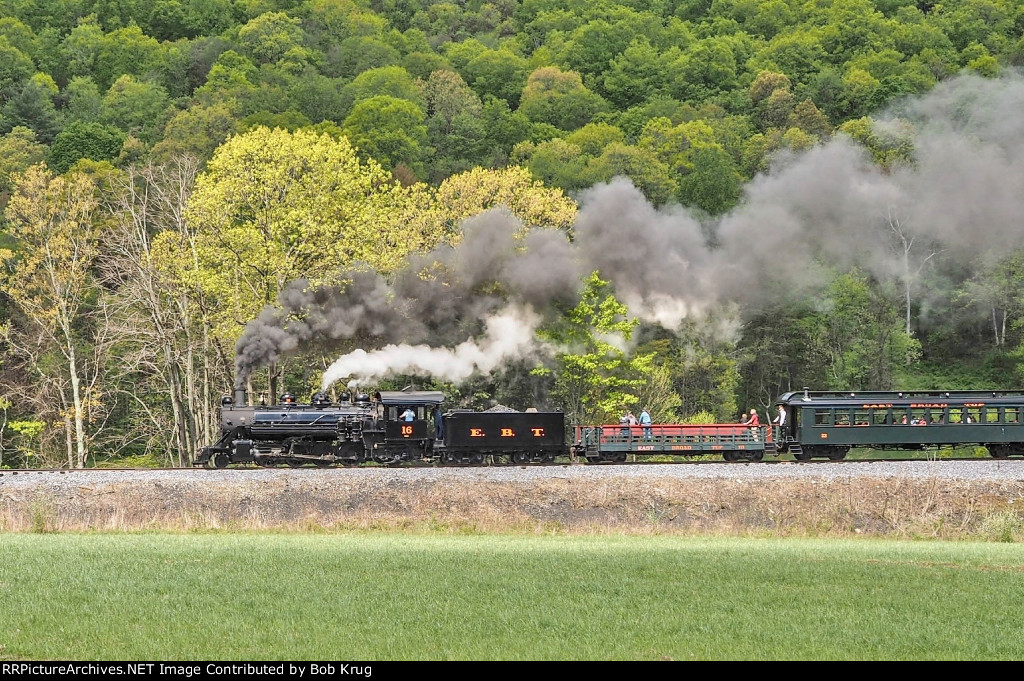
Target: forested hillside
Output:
{"points": [[701, 204]]}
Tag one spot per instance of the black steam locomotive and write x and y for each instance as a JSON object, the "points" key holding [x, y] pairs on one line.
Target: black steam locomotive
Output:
{"points": [[391, 427]]}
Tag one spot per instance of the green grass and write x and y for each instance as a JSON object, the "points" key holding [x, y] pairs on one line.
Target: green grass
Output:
{"points": [[924, 455], [400, 596]]}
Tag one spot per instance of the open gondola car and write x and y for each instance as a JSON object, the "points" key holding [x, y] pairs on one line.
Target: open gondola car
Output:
{"points": [[615, 443]]}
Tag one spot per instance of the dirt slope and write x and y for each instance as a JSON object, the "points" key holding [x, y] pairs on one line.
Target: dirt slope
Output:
{"points": [[478, 501]]}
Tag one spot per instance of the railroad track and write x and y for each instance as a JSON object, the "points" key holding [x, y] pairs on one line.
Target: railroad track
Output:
{"points": [[688, 462]]}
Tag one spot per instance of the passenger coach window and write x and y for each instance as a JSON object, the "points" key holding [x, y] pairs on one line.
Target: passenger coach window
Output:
{"points": [[880, 417], [1011, 414], [822, 417], [973, 415], [956, 415], [860, 417]]}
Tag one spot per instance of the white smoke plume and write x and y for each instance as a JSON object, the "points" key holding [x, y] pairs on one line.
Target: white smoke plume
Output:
{"points": [[509, 335]]}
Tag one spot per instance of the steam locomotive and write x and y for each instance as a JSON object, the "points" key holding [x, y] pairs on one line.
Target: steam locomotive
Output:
{"points": [[394, 427], [391, 427]]}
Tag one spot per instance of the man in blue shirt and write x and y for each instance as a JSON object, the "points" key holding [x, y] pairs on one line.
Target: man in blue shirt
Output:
{"points": [[645, 421]]}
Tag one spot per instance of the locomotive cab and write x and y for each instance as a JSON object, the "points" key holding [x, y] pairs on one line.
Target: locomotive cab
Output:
{"points": [[402, 429]]}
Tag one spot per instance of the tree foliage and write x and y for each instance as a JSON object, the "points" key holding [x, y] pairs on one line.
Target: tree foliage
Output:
{"points": [[273, 206], [594, 379], [472, 192], [51, 283]]}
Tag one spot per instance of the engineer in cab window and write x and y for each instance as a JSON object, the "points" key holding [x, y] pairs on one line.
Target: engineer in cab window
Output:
{"points": [[408, 415]]}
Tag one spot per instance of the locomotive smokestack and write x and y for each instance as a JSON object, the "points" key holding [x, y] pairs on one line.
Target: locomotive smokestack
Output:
{"points": [[240, 397]]}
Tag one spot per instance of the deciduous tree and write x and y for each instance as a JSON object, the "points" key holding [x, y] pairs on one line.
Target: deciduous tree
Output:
{"points": [[389, 130], [593, 377], [173, 351], [50, 280], [477, 190], [273, 206], [559, 98]]}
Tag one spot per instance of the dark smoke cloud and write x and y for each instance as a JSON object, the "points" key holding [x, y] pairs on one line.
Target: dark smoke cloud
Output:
{"points": [[364, 307], [963, 198], [440, 298]]}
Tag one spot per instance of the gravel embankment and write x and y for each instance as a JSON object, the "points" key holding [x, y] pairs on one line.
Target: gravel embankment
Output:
{"points": [[943, 498]]}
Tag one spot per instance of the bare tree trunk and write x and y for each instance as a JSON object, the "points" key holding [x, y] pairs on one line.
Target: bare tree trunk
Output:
{"points": [[272, 376], [904, 246], [76, 394], [906, 288], [178, 412], [70, 441]]}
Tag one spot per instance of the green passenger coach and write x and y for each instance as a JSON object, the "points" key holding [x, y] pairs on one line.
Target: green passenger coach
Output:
{"points": [[828, 424]]}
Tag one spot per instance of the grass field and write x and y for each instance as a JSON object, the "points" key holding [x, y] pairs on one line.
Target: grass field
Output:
{"points": [[378, 596]]}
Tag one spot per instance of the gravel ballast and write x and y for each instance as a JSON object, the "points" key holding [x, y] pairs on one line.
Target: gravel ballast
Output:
{"points": [[946, 498]]}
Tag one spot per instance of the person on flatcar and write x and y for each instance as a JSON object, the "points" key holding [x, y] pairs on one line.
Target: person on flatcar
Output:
{"points": [[645, 421], [754, 422], [630, 422]]}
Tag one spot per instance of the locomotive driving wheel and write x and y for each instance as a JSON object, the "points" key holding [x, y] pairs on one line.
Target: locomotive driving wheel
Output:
{"points": [[221, 460]]}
